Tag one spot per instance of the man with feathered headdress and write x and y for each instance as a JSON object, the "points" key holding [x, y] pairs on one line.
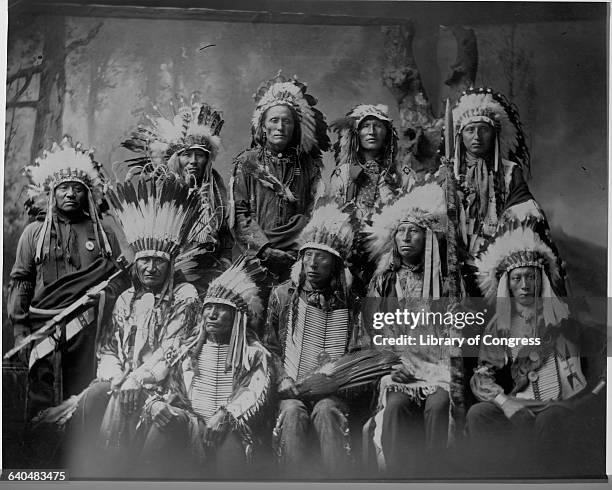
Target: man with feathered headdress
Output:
{"points": [[274, 184], [491, 155], [312, 319], [58, 259], [225, 381], [424, 396], [529, 381], [138, 351], [188, 144]]}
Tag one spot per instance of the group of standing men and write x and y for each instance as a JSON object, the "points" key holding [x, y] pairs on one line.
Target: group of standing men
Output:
{"points": [[190, 365]]}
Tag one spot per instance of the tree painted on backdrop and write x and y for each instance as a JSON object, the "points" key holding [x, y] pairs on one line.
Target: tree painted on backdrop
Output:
{"points": [[35, 105], [420, 130]]}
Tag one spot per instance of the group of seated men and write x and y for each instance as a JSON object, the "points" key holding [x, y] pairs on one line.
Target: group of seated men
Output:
{"points": [[189, 364]]}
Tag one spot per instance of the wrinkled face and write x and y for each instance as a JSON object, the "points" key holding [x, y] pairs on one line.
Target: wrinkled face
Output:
{"points": [[478, 138], [218, 319], [193, 165], [152, 271], [278, 126], [70, 197], [318, 267], [410, 242], [372, 134], [525, 284]]}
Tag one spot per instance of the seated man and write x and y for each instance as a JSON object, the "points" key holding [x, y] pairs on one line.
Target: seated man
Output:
{"points": [[311, 320], [209, 427], [424, 396], [530, 382], [137, 353]]}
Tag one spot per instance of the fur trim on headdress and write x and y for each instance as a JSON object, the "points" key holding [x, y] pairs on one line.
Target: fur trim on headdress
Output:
{"points": [[484, 105], [518, 247], [156, 214], [425, 205], [292, 93], [360, 112], [330, 229], [193, 125], [347, 145]]}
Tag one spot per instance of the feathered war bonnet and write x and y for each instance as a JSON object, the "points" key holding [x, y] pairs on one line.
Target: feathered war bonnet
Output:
{"points": [[484, 105], [193, 125], [424, 206], [65, 163], [243, 287], [291, 93], [518, 245], [157, 216], [346, 147], [331, 229]]}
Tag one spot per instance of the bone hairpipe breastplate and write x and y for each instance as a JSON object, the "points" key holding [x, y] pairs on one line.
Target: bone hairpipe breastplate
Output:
{"points": [[315, 331], [211, 386]]}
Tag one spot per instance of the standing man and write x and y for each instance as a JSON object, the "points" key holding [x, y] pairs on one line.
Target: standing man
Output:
{"points": [[275, 183], [312, 319], [491, 156], [366, 173], [58, 259], [188, 144], [366, 170]]}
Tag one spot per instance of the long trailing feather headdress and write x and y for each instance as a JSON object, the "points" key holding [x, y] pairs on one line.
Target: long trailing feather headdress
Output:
{"points": [[518, 245], [292, 93], [156, 214], [242, 287], [485, 105]]}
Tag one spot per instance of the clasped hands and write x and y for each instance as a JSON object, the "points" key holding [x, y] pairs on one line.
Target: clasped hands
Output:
{"points": [[129, 391], [486, 389]]}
